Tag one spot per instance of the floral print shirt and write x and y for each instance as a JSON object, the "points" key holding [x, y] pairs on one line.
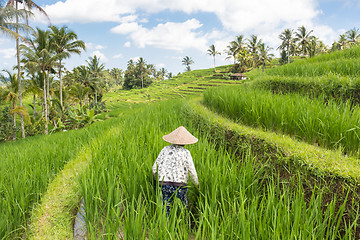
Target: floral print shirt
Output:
{"points": [[174, 164]]}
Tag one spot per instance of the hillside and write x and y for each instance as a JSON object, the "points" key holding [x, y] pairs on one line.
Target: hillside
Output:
{"points": [[264, 170], [184, 85]]}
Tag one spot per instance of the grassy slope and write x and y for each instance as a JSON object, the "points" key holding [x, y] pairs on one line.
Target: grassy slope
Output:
{"points": [[181, 86], [188, 84], [21, 160]]}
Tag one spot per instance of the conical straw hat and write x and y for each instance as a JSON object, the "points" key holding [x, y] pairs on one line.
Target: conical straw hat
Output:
{"points": [[180, 136]]}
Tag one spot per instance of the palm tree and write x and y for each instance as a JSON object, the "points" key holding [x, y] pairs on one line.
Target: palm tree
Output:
{"points": [[141, 67], [212, 52], [265, 55], [7, 26], [117, 74], [353, 36], [96, 71], [235, 47], [33, 86], [65, 41], [253, 46], [29, 4], [245, 60], [303, 38], [39, 54], [11, 94], [187, 61], [231, 52], [316, 47], [162, 73], [79, 93], [287, 41], [342, 41]]}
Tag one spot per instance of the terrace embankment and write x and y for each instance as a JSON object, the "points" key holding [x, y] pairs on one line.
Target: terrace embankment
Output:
{"points": [[289, 160]]}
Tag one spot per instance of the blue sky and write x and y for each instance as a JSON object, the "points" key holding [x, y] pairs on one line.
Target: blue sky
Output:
{"points": [[165, 31]]}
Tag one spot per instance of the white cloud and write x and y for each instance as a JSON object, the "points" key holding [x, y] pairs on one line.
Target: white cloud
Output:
{"points": [[87, 11], [118, 56], [126, 28], [92, 46], [100, 55], [235, 15], [8, 53], [262, 17], [170, 35]]}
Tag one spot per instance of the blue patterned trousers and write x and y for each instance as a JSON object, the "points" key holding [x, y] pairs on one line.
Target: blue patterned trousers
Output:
{"points": [[168, 193]]}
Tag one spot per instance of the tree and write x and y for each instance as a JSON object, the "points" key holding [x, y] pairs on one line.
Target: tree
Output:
{"points": [[244, 61], [29, 4], [33, 86], [283, 57], [138, 75], [353, 36], [7, 26], [96, 71], [82, 76], [162, 73], [316, 46], [129, 75], [287, 42], [117, 74], [79, 93], [11, 94], [140, 69], [253, 45], [39, 54], [303, 38], [212, 52], [65, 41], [265, 56], [235, 47], [187, 61]]}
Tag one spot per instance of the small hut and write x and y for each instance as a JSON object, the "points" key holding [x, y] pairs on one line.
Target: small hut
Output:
{"points": [[238, 76]]}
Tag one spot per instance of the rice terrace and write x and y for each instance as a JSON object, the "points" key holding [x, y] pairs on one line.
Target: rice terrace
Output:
{"points": [[277, 127]]}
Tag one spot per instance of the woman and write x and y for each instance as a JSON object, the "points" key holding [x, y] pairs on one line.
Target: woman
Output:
{"points": [[174, 165]]}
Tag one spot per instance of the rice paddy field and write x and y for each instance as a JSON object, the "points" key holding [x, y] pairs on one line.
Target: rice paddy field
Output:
{"points": [[243, 193]]}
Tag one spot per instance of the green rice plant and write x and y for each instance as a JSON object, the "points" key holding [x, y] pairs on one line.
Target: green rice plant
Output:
{"points": [[344, 63], [350, 53], [234, 201], [329, 86], [330, 125], [344, 67], [27, 166]]}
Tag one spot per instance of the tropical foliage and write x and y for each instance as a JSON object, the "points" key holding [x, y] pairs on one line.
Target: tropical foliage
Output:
{"points": [[187, 61]]}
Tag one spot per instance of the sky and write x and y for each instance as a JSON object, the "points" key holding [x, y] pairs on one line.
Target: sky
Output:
{"points": [[163, 32]]}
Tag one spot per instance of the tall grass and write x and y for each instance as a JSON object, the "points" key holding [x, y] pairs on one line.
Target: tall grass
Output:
{"points": [[344, 67], [330, 86], [331, 126], [351, 53], [27, 166], [234, 201]]}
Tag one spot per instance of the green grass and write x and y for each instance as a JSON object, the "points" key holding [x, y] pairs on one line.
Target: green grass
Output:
{"points": [[237, 198], [329, 86], [333, 126], [28, 166], [232, 202], [179, 86], [279, 148], [344, 63]]}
